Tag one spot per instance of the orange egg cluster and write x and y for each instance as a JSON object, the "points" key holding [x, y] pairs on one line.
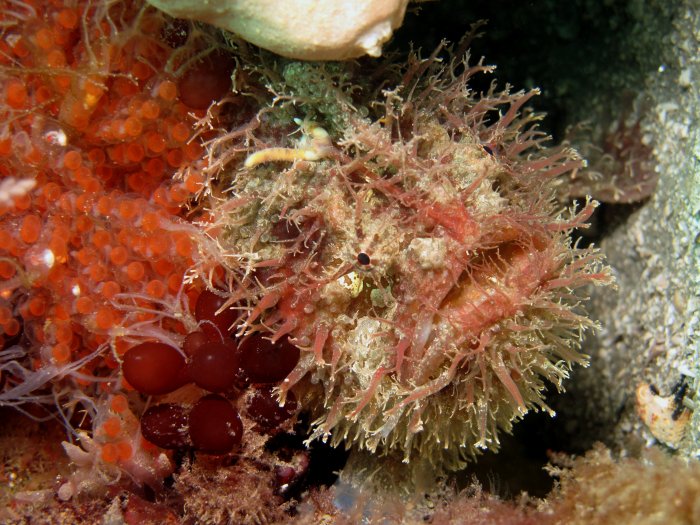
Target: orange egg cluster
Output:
{"points": [[114, 448], [98, 165]]}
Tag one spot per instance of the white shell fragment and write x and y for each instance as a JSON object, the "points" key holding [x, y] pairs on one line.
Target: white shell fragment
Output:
{"points": [[303, 29], [665, 417], [352, 282]]}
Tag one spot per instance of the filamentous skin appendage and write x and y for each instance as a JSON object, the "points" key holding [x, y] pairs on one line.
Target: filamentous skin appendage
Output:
{"points": [[463, 305]]}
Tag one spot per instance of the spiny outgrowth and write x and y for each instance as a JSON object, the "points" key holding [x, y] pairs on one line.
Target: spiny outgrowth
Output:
{"points": [[620, 164], [423, 267]]}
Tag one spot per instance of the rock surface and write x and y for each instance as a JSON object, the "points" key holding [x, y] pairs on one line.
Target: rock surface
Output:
{"points": [[650, 327]]}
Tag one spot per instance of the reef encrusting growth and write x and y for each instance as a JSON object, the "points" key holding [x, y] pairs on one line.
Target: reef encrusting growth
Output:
{"points": [[414, 252], [599, 487]]}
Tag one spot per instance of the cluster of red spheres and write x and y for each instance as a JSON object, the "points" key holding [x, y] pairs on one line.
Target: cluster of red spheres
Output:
{"points": [[216, 362]]}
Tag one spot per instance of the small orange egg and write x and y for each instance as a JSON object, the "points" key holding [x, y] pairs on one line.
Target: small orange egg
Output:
{"points": [[135, 271], [30, 229]]}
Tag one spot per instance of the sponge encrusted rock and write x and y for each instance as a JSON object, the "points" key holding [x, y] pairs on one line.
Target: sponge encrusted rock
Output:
{"points": [[302, 29]]}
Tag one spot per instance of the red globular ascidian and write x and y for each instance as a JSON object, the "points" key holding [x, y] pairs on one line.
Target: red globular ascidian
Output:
{"points": [[215, 361], [214, 366], [215, 426], [154, 368], [263, 408], [165, 425]]}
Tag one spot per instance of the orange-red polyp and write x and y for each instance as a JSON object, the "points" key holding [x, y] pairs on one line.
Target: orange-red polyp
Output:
{"points": [[63, 333], [175, 158], [68, 18], [5, 314], [167, 90], [11, 327], [7, 270], [118, 255], [150, 109], [56, 58], [150, 221], [31, 229], [83, 223], [37, 306], [135, 152], [183, 246], [22, 202], [61, 353], [44, 38], [16, 95], [194, 182], [135, 271], [110, 453], [98, 272], [158, 244], [133, 126], [141, 71], [100, 239], [112, 426], [104, 318], [72, 160], [124, 450], [119, 403], [180, 132], [110, 289], [84, 305], [156, 289], [155, 142]]}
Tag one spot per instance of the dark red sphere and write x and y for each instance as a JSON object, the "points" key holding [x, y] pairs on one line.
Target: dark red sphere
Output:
{"points": [[154, 368], [214, 366], [283, 477], [207, 81], [166, 425], [216, 327], [265, 410], [215, 427], [266, 362], [194, 340]]}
